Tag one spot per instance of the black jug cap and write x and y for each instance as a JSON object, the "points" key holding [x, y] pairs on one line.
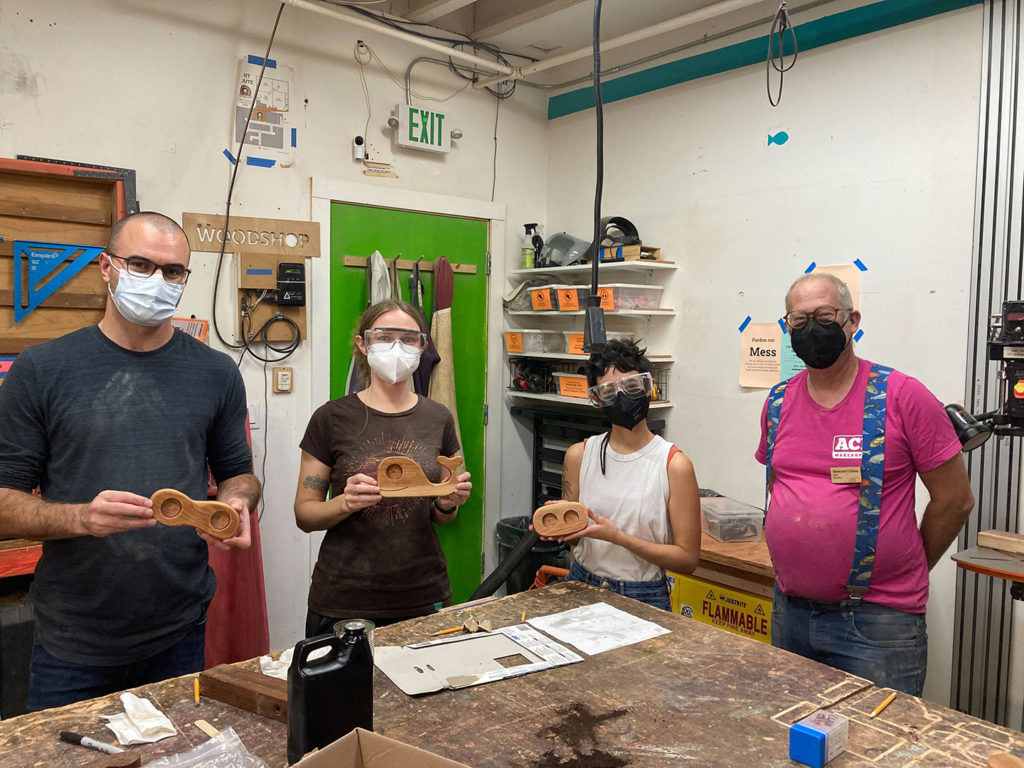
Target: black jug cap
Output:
{"points": [[355, 627]]}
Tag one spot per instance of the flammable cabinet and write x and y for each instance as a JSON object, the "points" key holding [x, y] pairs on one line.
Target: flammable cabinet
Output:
{"points": [[731, 589]]}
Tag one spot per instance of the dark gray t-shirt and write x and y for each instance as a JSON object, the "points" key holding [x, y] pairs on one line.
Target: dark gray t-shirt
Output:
{"points": [[384, 561], [79, 415]]}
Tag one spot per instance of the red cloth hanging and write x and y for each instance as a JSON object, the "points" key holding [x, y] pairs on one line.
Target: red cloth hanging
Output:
{"points": [[236, 621]]}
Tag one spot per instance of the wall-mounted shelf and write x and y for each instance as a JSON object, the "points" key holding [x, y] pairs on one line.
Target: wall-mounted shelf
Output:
{"points": [[620, 312], [578, 401], [606, 266], [582, 358]]}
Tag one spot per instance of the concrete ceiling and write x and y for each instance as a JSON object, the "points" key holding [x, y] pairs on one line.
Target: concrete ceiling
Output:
{"points": [[542, 29]]}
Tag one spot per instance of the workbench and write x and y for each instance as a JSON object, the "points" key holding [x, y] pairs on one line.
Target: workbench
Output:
{"points": [[695, 696]]}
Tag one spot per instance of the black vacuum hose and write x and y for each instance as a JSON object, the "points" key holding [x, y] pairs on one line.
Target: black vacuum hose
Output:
{"points": [[501, 573]]}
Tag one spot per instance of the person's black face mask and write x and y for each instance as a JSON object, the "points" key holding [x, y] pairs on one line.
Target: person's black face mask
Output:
{"points": [[819, 345], [627, 410]]}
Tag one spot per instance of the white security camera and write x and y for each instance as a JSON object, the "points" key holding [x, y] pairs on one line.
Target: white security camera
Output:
{"points": [[358, 148]]}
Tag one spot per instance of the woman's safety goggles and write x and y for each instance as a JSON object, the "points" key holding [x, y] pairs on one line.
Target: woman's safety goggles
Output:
{"points": [[634, 385], [415, 339]]}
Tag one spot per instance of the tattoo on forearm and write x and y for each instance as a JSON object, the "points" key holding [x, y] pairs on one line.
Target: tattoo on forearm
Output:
{"points": [[567, 490], [315, 483]]}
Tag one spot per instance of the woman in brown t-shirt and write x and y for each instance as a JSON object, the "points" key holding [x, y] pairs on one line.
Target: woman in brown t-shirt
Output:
{"points": [[380, 558]]}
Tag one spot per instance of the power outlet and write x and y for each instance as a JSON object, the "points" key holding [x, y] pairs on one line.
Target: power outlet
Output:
{"points": [[254, 416], [282, 378]]}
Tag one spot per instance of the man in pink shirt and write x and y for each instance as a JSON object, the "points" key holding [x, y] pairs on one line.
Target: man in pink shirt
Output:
{"points": [[843, 443]]}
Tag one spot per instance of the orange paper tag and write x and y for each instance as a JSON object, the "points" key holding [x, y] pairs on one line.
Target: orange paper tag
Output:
{"points": [[568, 300], [607, 294], [514, 342], [576, 344], [540, 298], [570, 387]]}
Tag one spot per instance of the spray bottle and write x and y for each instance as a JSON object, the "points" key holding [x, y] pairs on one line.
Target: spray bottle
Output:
{"points": [[527, 253]]}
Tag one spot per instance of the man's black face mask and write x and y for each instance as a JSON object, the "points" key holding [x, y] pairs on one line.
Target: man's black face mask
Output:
{"points": [[819, 345]]}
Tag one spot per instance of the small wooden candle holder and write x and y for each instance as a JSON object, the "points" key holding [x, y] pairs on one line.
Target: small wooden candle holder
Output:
{"points": [[216, 518], [401, 477], [560, 518]]}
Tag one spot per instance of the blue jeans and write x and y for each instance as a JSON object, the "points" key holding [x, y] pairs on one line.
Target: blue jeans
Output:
{"points": [[651, 592], [886, 646], [54, 682]]}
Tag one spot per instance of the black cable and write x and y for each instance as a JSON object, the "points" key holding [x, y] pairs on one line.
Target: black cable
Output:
{"points": [[780, 23], [231, 188], [510, 88], [599, 116]]}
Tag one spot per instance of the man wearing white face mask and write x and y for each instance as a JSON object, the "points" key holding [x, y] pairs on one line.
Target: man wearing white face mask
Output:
{"points": [[381, 558], [98, 420]]}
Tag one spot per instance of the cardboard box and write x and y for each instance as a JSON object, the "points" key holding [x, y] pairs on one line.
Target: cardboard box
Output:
{"points": [[365, 748], [631, 253]]}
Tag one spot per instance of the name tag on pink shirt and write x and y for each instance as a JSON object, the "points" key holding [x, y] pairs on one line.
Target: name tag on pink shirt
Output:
{"points": [[845, 475]]}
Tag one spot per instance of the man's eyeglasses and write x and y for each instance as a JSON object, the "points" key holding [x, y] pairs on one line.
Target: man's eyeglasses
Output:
{"points": [[406, 336], [140, 266], [634, 385], [822, 316]]}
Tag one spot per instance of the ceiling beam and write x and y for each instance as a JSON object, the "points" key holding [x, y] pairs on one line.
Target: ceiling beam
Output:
{"points": [[425, 11], [493, 17]]}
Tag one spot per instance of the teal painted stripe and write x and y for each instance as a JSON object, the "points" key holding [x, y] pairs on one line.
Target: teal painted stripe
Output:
{"points": [[813, 34]]}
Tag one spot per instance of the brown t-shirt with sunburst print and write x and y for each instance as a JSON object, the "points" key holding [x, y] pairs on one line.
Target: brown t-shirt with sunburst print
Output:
{"points": [[384, 561]]}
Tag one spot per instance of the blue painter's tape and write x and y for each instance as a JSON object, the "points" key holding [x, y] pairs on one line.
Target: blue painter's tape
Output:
{"points": [[294, 132], [782, 325], [745, 323], [230, 157], [810, 268], [857, 335], [258, 61], [860, 265], [261, 162], [256, 271]]}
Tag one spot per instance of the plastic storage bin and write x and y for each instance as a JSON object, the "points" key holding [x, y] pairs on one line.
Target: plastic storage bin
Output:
{"points": [[627, 296], [571, 384], [544, 298], [574, 340], [530, 340], [730, 520], [510, 531]]}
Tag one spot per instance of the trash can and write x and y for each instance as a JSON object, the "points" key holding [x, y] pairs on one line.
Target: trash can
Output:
{"points": [[509, 531]]}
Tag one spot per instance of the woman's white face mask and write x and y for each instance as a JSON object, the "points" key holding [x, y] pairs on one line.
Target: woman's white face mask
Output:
{"points": [[393, 361]]}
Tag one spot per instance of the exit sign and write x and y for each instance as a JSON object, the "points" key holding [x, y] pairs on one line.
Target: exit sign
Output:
{"points": [[422, 129]]}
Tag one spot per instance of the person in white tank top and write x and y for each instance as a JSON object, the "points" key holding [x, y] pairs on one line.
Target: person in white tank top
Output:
{"points": [[640, 490]]}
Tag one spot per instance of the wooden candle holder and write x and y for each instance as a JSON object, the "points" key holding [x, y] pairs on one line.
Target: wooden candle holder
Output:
{"points": [[401, 477], [216, 518], [560, 518]]}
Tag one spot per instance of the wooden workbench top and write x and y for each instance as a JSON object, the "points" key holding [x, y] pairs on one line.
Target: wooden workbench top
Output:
{"points": [[695, 696], [749, 556]]}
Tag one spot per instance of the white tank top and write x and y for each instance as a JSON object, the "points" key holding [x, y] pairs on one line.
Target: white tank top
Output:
{"points": [[633, 494]]}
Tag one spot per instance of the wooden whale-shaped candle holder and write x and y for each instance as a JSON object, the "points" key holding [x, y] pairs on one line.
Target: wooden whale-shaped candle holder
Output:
{"points": [[560, 518], [216, 518], [401, 477]]}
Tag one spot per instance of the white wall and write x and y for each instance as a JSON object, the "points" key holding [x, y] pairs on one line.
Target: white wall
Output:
{"points": [[880, 166], [150, 86]]}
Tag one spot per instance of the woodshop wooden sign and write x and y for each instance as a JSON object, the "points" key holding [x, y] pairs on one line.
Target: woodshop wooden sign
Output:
{"points": [[281, 237]]}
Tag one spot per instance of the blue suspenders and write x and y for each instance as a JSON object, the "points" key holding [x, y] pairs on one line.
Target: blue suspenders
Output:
{"points": [[871, 467]]}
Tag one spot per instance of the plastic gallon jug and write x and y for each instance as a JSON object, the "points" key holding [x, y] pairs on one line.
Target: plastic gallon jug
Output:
{"points": [[330, 695]]}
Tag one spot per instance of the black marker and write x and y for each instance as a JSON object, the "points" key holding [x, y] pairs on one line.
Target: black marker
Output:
{"points": [[85, 741]]}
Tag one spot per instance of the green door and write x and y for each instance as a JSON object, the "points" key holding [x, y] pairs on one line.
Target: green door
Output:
{"points": [[358, 230]]}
